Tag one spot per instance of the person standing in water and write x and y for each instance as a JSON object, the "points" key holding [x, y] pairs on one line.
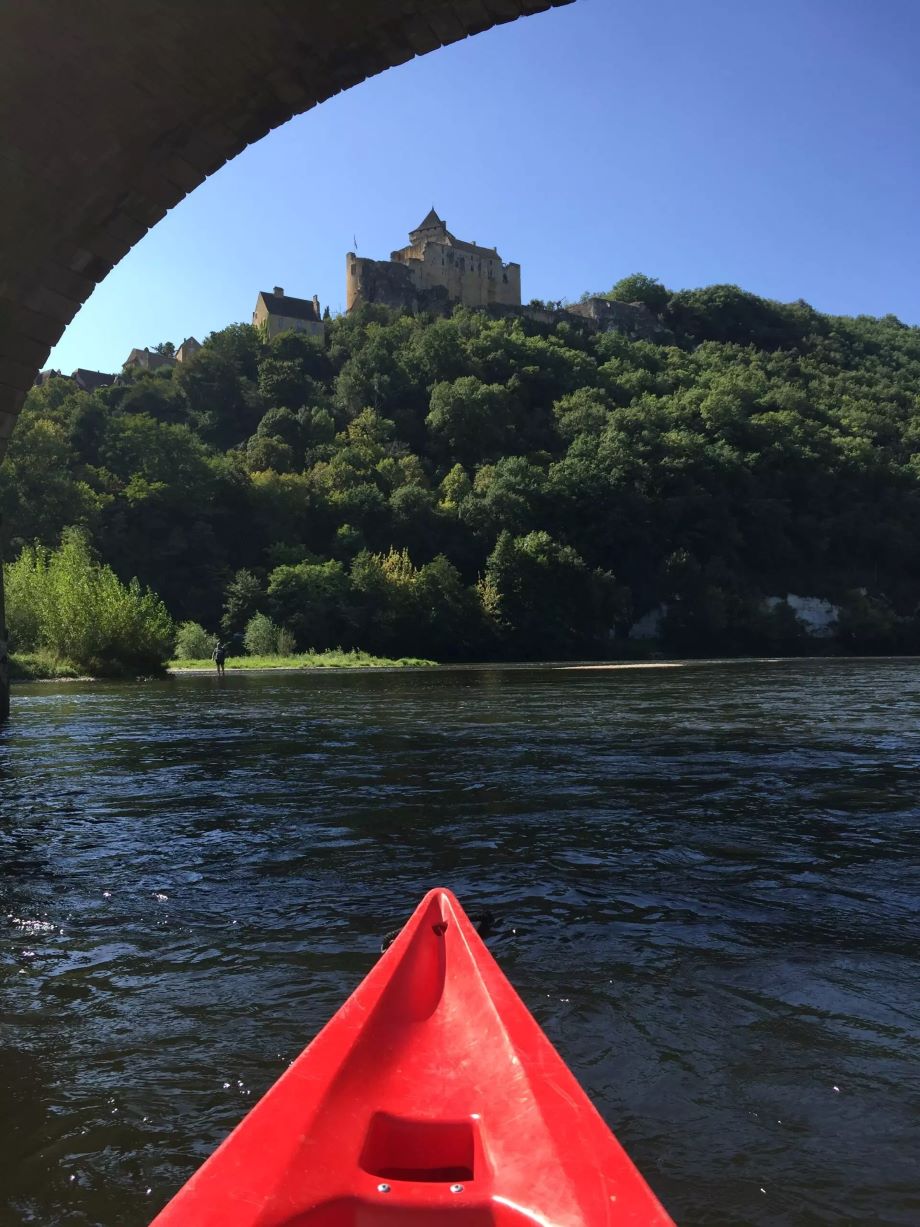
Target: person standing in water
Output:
{"points": [[219, 655]]}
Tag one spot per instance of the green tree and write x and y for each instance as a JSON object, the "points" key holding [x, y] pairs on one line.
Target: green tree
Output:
{"points": [[40, 490], [545, 601], [65, 602], [261, 637], [244, 598], [455, 487], [868, 623], [265, 453], [469, 419], [282, 383], [220, 388], [314, 602], [581, 412], [640, 288], [193, 642]]}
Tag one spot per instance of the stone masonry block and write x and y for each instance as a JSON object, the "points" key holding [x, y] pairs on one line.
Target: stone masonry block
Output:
{"points": [[49, 302], [420, 35], [71, 285], [88, 263], [473, 16], [446, 24], [123, 229], [11, 400], [37, 326], [180, 171], [16, 374], [17, 348], [289, 91], [502, 11]]}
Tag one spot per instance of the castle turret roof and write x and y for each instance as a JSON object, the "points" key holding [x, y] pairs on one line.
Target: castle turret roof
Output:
{"points": [[431, 222]]}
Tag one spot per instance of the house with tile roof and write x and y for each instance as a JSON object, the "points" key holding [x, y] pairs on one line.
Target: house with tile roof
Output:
{"points": [[147, 360], [279, 312], [152, 360], [188, 349], [89, 381], [86, 380]]}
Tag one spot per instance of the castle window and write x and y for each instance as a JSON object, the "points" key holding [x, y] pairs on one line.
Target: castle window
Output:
{"points": [[505, 278]]}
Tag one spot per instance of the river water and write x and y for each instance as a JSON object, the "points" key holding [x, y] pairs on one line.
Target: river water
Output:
{"points": [[706, 881]]}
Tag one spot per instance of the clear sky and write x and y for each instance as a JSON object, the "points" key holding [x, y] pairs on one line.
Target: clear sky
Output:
{"points": [[770, 143]]}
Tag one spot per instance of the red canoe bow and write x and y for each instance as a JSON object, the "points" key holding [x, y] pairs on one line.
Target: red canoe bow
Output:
{"points": [[431, 1097]]}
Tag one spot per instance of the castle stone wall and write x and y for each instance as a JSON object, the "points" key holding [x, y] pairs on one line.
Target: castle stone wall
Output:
{"points": [[633, 319], [435, 267], [474, 279]]}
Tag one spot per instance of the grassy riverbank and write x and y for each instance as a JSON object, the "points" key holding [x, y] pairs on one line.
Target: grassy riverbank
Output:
{"points": [[42, 667], [47, 667], [333, 659]]}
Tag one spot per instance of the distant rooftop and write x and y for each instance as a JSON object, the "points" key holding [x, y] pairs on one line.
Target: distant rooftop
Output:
{"points": [[86, 380], [279, 303], [89, 381]]}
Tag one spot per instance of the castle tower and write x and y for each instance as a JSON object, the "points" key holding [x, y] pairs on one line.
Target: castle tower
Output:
{"points": [[435, 271], [352, 281], [431, 229]]}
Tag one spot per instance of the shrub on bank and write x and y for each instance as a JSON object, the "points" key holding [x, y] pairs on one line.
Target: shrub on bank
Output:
{"points": [[261, 636], [193, 642], [40, 667], [64, 603]]}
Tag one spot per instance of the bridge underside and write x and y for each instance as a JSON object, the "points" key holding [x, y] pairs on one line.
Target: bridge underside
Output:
{"points": [[113, 111]]}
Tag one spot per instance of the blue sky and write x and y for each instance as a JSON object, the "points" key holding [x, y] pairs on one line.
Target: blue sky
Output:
{"points": [[771, 144]]}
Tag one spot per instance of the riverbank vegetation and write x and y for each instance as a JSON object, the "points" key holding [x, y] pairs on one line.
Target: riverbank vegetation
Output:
{"points": [[42, 667], [332, 659], [499, 488], [69, 614]]}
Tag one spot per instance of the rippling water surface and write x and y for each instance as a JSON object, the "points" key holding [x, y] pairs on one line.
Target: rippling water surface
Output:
{"points": [[706, 879]]}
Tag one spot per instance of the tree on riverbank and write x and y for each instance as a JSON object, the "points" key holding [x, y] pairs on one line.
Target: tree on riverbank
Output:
{"points": [[66, 604]]}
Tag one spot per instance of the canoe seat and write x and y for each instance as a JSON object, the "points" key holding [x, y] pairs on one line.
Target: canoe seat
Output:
{"points": [[419, 1150]]}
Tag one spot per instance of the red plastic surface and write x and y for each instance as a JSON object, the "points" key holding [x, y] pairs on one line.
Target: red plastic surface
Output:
{"points": [[431, 1097]]}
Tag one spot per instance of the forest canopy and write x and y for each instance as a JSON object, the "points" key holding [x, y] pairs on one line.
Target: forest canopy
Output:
{"points": [[501, 487]]}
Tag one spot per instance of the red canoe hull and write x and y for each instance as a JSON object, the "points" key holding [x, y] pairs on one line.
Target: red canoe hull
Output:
{"points": [[431, 1096]]}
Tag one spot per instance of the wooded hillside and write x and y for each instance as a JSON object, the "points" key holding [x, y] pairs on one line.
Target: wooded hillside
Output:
{"points": [[482, 487]]}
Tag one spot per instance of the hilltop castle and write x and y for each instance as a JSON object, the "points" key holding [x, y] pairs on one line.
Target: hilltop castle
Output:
{"points": [[434, 273], [435, 270]]}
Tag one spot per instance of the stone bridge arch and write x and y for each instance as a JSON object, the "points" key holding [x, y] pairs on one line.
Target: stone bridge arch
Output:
{"points": [[111, 111]]}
